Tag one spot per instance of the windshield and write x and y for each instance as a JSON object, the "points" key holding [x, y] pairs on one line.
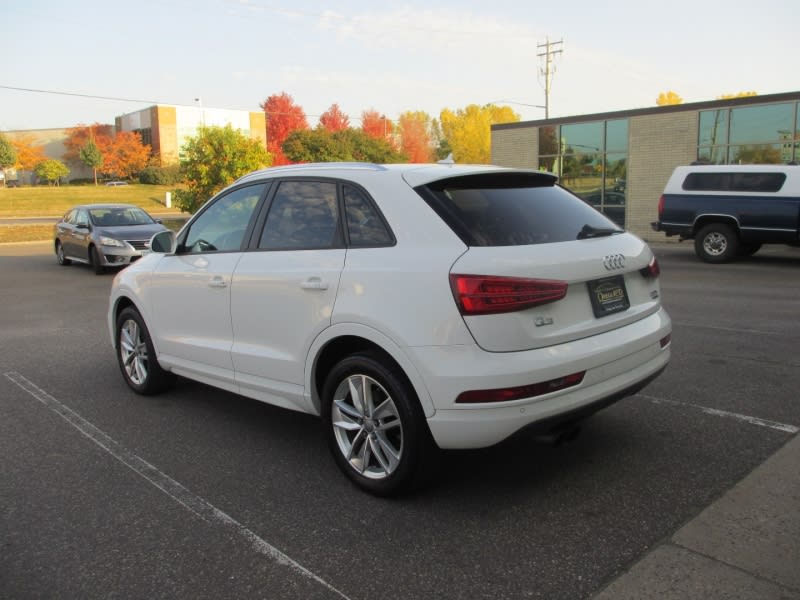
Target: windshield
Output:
{"points": [[517, 216], [119, 217]]}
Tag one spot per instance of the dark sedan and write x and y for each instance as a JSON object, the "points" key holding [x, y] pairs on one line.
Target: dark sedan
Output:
{"points": [[104, 235]]}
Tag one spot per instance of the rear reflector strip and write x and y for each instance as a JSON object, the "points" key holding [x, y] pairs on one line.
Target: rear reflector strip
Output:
{"points": [[484, 294], [523, 391], [665, 341]]}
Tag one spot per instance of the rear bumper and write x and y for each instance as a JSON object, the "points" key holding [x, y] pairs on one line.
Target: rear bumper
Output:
{"points": [[617, 363]]}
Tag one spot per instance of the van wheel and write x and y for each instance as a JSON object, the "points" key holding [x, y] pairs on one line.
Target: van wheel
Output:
{"points": [[716, 243], [375, 426]]}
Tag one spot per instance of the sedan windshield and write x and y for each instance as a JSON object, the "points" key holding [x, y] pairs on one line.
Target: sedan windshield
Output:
{"points": [[119, 217]]}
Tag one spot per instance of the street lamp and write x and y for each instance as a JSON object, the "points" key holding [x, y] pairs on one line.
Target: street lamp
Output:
{"points": [[202, 111]]}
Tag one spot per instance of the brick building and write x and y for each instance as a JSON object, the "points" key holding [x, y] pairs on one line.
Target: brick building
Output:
{"points": [[620, 161], [166, 127]]}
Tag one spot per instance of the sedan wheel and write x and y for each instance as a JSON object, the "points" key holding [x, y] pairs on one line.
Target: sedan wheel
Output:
{"points": [[136, 356], [375, 426], [60, 256]]}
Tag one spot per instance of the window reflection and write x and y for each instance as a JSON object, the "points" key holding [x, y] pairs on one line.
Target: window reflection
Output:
{"points": [[765, 134]]}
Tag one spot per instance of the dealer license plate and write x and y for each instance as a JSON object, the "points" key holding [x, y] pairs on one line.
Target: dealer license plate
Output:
{"points": [[608, 296]]}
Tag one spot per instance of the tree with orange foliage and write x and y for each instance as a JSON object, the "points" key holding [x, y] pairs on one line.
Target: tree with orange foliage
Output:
{"points": [[376, 125], [414, 128], [283, 116], [126, 155], [29, 153], [334, 119], [80, 134]]}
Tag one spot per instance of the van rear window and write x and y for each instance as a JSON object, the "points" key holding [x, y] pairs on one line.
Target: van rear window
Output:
{"points": [[509, 211], [734, 182]]}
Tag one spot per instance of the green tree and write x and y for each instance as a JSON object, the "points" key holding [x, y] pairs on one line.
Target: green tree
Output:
{"points": [[215, 158], [52, 170], [320, 145], [8, 155], [92, 157]]}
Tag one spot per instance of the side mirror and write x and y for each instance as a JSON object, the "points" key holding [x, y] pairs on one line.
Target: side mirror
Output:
{"points": [[164, 242]]}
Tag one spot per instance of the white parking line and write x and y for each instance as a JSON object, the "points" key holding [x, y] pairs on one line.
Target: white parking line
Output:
{"points": [[724, 413], [163, 482]]}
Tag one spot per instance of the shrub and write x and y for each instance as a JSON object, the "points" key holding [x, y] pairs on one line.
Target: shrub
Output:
{"points": [[169, 175]]}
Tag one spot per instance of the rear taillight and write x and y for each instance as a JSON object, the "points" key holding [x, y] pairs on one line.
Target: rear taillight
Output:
{"points": [[660, 206], [484, 295], [523, 391], [652, 270]]}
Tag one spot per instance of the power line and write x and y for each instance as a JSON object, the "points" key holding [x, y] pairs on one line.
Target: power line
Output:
{"points": [[60, 93]]}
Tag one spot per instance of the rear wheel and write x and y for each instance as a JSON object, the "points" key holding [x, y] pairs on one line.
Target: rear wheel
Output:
{"points": [[716, 243], [375, 426], [60, 256], [136, 355]]}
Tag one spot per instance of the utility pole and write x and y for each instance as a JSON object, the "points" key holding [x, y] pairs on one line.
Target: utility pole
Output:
{"points": [[548, 69]]}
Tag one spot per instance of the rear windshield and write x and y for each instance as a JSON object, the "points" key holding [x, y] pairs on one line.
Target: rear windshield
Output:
{"points": [[510, 212], [734, 182]]}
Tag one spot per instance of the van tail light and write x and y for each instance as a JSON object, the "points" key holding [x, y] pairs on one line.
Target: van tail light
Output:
{"points": [[660, 206], [652, 270], [484, 295], [523, 391]]}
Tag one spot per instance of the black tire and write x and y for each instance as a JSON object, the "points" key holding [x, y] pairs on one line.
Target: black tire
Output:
{"points": [[716, 243], [749, 249], [60, 256], [387, 451], [94, 258], [137, 357]]}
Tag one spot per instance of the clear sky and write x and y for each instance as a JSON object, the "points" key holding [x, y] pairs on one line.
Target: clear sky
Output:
{"points": [[390, 56]]}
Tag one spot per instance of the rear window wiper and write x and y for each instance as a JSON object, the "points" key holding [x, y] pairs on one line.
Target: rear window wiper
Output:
{"points": [[592, 232]]}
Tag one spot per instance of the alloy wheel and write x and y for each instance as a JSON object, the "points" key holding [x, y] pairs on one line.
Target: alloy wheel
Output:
{"points": [[367, 426], [133, 351]]}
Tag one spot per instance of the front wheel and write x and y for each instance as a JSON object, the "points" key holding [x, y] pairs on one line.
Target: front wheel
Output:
{"points": [[97, 262], [375, 426], [136, 355], [716, 243]]}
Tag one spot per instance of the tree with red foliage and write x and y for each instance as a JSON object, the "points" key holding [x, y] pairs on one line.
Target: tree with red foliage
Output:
{"points": [[376, 125], [415, 138], [334, 119], [283, 116], [80, 134]]}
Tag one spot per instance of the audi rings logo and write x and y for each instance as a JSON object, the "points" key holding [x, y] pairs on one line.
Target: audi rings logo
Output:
{"points": [[612, 262]]}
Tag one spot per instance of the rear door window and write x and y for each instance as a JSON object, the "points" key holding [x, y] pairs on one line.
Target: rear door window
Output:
{"points": [[511, 211]]}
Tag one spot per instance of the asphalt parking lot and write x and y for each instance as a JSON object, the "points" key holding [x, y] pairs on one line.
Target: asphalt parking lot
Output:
{"points": [[199, 493]]}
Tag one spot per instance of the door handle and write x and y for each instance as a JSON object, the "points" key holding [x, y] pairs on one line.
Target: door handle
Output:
{"points": [[217, 282], [314, 283]]}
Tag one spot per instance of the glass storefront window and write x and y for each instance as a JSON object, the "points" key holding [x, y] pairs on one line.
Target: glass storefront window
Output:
{"points": [[591, 160], [759, 124], [548, 140], [713, 127], [617, 136], [755, 154], [582, 137], [716, 155]]}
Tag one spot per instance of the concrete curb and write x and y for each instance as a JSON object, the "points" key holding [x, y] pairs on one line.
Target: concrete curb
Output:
{"points": [[746, 545]]}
